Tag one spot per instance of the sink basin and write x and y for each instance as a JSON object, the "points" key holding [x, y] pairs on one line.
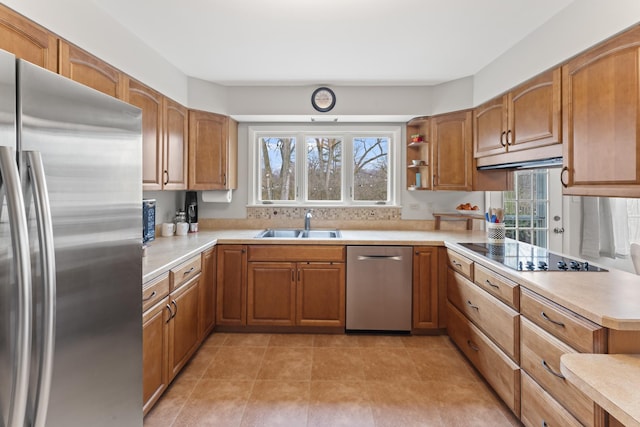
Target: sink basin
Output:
{"points": [[320, 234], [283, 233], [279, 233]]}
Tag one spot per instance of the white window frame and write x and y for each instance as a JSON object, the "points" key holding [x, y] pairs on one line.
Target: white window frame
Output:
{"points": [[517, 229], [347, 132]]}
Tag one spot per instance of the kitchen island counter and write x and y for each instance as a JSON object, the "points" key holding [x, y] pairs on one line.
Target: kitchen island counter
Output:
{"points": [[611, 380]]}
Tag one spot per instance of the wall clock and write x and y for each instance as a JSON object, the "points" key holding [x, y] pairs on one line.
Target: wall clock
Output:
{"points": [[323, 99]]}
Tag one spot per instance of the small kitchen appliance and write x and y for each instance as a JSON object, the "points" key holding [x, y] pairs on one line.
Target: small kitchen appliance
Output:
{"points": [[191, 208], [148, 220]]}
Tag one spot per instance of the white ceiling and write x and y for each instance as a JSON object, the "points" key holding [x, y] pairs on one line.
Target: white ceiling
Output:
{"points": [[335, 42]]}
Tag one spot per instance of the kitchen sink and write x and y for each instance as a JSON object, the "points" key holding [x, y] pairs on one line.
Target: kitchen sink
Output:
{"points": [[283, 233], [320, 234]]}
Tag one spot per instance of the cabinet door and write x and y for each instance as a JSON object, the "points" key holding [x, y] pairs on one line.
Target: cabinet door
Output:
{"points": [[271, 293], [321, 294], [208, 151], [534, 112], [207, 294], [231, 302], [490, 127], [27, 40], [155, 350], [85, 68], [600, 110], [183, 327], [425, 288], [150, 102], [176, 134], [451, 145]]}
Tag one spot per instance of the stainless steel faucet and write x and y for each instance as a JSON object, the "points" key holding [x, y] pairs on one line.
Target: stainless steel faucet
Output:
{"points": [[307, 220]]}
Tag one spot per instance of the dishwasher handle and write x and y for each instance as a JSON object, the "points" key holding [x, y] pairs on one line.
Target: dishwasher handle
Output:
{"points": [[379, 257]]}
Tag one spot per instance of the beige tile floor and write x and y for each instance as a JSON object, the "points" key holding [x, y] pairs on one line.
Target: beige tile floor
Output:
{"points": [[328, 380]]}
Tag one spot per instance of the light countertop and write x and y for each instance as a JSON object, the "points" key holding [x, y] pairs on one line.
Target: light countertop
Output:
{"points": [[165, 253], [611, 380], [608, 298]]}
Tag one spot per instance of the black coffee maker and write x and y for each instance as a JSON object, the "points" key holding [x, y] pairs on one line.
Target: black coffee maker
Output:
{"points": [[191, 209]]}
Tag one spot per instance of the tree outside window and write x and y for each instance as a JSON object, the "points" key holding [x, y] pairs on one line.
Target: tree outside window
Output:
{"points": [[333, 167]]}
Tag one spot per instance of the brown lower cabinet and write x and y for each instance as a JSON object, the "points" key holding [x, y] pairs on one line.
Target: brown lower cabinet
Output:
{"points": [[155, 352], [170, 327], [296, 294], [425, 287], [280, 285], [183, 326], [207, 293]]}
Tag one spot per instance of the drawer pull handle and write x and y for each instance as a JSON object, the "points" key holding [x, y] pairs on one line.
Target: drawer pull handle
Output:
{"points": [[555, 322], [470, 304], [544, 424], [472, 345], [188, 271], [153, 294], [176, 306], [456, 264], [551, 371], [170, 313], [488, 282]]}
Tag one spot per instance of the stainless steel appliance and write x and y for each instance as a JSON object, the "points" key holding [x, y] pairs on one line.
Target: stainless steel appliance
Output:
{"points": [[525, 257], [70, 253], [379, 288]]}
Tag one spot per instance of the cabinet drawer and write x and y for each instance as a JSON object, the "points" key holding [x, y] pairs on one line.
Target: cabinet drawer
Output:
{"points": [[296, 253], [540, 409], [499, 286], [493, 317], [154, 290], [489, 360], [185, 271], [578, 332], [461, 264], [540, 358]]}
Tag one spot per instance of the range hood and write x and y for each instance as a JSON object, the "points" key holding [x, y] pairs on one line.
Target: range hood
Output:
{"points": [[552, 162]]}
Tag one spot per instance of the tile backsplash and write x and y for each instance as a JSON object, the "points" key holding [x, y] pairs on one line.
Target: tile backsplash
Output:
{"points": [[332, 214]]}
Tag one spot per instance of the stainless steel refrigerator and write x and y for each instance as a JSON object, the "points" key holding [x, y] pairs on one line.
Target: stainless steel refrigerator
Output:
{"points": [[70, 253]]}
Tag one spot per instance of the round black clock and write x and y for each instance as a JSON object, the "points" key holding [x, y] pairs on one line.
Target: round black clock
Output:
{"points": [[323, 99]]}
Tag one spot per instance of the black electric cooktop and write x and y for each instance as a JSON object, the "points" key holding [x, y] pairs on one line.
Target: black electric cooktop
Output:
{"points": [[525, 257]]}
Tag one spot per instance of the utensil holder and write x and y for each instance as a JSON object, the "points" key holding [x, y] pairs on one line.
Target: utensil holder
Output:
{"points": [[495, 232]]}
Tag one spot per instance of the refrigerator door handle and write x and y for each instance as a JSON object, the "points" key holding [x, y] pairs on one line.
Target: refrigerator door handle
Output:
{"points": [[47, 251], [20, 238]]}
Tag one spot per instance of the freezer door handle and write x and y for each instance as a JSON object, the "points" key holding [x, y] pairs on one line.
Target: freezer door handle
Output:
{"points": [[379, 257], [20, 238], [47, 251]]}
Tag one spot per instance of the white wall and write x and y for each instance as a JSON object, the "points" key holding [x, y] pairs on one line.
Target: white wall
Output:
{"points": [[407, 101], [580, 25], [84, 24]]}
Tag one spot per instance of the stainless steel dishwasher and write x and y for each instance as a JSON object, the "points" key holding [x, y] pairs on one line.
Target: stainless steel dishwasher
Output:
{"points": [[379, 288]]}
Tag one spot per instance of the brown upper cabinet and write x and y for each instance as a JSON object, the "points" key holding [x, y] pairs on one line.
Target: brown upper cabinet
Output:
{"points": [[164, 138], [451, 151], [213, 151], [85, 68], [601, 119], [27, 40], [526, 118], [175, 145]]}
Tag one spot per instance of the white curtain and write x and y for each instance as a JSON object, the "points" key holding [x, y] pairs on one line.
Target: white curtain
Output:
{"points": [[606, 229]]}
